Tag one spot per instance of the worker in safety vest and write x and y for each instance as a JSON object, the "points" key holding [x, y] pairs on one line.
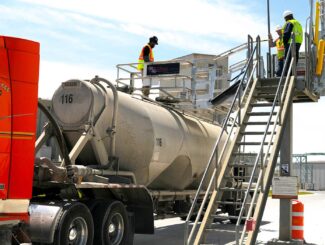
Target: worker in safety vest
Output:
{"points": [[291, 26], [278, 43], [146, 55]]}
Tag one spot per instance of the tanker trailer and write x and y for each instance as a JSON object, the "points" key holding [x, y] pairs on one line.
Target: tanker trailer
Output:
{"points": [[163, 148], [124, 159]]}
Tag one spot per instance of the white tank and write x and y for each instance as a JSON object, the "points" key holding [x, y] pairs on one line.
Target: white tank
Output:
{"points": [[165, 149]]}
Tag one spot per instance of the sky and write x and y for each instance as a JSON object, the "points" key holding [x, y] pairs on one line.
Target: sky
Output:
{"points": [[82, 38]]}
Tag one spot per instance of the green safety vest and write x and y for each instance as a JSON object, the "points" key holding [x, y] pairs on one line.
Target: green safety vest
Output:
{"points": [[297, 30], [280, 48]]}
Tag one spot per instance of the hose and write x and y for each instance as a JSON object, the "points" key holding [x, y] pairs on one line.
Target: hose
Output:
{"points": [[60, 138]]}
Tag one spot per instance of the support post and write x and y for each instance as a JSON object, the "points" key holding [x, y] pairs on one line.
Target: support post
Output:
{"points": [[269, 63], [285, 170]]}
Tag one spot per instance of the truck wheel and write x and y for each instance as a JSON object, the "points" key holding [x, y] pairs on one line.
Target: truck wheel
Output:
{"points": [[112, 224], [75, 226]]}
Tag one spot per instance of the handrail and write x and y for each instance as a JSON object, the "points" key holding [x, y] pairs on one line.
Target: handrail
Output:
{"points": [[236, 49], [232, 51], [134, 74], [277, 99], [237, 97]]}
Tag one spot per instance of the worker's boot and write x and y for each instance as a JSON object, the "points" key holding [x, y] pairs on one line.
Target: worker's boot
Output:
{"points": [[146, 91]]}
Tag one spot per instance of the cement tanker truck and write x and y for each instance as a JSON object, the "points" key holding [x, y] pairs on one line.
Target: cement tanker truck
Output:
{"points": [[123, 162]]}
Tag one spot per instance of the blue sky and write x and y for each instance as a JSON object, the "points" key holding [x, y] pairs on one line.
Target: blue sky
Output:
{"points": [[82, 38], [96, 35]]}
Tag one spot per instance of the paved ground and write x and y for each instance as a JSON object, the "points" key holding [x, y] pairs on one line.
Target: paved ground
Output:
{"points": [[171, 231]]}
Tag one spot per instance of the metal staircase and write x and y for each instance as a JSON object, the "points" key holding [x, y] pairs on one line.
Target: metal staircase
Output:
{"points": [[253, 129]]}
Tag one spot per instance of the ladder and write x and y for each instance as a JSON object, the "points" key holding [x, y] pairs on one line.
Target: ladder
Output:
{"points": [[233, 182]]}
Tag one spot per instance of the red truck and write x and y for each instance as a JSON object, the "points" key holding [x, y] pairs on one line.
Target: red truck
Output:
{"points": [[19, 71]]}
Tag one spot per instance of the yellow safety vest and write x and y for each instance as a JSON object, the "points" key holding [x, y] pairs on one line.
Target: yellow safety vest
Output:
{"points": [[280, 48], [141, 58], [297, 30]]}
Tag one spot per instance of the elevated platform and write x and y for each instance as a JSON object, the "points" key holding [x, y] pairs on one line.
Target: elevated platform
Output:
{"points": [[301, 93]]}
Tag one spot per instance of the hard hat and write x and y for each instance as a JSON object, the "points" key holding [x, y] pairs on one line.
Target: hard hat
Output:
{"points": [[287, 13], [278, 28], [154, 40]]}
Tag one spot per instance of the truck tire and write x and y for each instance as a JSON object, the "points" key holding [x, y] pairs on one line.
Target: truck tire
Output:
{"points": [[112, 224], [75, 226]]}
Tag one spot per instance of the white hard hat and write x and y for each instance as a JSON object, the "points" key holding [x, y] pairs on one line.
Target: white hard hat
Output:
{"points": [[287, 13], [278, 28]]}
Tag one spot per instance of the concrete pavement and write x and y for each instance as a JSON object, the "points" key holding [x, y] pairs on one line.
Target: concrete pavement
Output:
{"points": [[171, 231]]}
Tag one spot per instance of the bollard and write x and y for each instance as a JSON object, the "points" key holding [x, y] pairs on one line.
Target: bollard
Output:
{"points": [[297, 225]]}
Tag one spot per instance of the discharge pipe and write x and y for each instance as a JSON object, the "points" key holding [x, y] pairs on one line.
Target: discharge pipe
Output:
{"points": [[111, 131]]}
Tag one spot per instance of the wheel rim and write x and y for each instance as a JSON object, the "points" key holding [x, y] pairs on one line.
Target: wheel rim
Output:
{"points": [[115, 229], [78, 232]]}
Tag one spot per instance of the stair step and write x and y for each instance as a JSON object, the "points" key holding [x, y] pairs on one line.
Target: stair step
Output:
{"points": [[227, 216], [230, 202], [255, 133], [264, 96], [267, 90], [257, 123], [261, 104], [236, 165], [268, 86], [269, 83], [248, 154], [253, 143], [266, 81], [232, 189], [239, 177], [260, 113]]}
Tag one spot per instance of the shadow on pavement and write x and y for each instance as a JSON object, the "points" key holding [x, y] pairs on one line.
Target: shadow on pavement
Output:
{"points": [[218, 234], [171, 235]]}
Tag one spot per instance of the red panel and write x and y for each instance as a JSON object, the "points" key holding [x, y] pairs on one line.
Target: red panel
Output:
{"points": [[23, 142], [4, 71], [23, 59], [2, 42], [5, 121], [23, 66], [19, 216], [18, 44]]}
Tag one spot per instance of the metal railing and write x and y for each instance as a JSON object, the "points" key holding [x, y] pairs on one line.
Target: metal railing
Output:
{"points": [[310, 59], [133, 74], [240, 97], [128, 74], [262, 156]]}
